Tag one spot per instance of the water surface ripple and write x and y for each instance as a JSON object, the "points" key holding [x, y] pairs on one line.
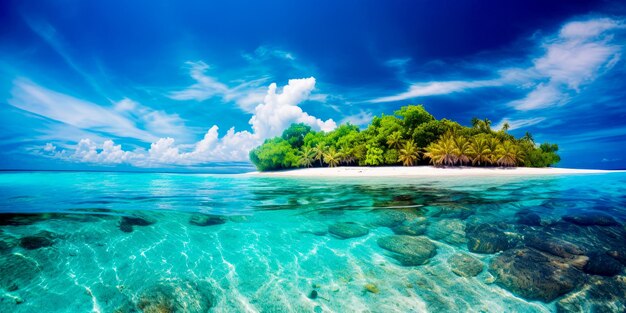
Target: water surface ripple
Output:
{"points": [[129, 242]]}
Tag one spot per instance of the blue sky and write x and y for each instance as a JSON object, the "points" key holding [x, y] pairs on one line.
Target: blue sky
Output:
{"points": [[166, 85]]}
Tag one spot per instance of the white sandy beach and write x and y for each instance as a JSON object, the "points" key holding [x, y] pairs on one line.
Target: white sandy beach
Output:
{"points": [[423, 171]]}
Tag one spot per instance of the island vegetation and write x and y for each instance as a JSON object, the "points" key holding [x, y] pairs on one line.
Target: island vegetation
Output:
{"points": [[410, 137]]}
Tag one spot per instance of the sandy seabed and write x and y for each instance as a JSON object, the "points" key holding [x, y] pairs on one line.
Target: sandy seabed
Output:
{"points": [[424, 171]]}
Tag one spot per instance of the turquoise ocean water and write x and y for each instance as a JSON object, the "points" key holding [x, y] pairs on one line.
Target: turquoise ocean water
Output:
{"points": [[129, 242]]}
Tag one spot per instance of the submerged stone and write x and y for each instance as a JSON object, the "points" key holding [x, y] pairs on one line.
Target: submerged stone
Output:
{"points": [[313, 294], [40, 240], [451, 231], [177, 296], [619, 255], [452, 210], [590, 219], [412, 228], [371, 288], [600, 294], [465, 265], [207, 220], [602, 264], [345, 230], [390, 218], [486, 238], [554, 246], [409, 250], [528, 218], [535, 275], [16, 271], [127, 222]]}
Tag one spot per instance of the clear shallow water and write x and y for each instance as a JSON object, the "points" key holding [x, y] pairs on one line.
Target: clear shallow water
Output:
{"points": [[82, 242]]}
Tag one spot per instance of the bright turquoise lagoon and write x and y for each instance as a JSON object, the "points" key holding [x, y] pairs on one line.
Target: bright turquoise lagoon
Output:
{"points": [[136, 242]]}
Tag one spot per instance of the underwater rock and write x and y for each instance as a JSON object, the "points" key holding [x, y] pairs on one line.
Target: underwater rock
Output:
{"points": [[602, 264], [390, 218], [313, 295], [590, 219], [371, 288], [452, 210], [40, 240], [451, 231], [465, 265], [411, 229], [207, 220], [619, 255], [345, 230], [600, 294], [486, 238], [409, 250], [535, 275], [177, 296], [16, 271], [552, 245], [127, 222], [528, 218], [20, 219]]}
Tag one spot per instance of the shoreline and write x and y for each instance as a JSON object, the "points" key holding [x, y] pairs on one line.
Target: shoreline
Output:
{"points": [[425, 171]]}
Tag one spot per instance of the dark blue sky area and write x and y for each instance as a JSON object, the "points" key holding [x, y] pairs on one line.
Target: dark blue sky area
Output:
{"points": [[140, 84]]}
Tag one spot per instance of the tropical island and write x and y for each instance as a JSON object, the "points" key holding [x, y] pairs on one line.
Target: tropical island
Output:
{"points": [[410, 137]]}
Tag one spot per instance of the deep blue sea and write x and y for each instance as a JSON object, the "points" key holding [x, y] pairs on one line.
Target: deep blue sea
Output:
{"points": [[136, 242]]}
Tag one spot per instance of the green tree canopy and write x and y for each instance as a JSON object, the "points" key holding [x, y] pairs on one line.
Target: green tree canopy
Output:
{"points": [[400, 138]]}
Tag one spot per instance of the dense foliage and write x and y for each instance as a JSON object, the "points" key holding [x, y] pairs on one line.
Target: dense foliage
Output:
{"points": [[411, 136]]}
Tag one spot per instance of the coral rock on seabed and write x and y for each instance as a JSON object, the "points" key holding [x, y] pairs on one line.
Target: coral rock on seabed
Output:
{"points": [[206, 220], [127, 222], [535, 275], [590, 219], [600, 294], [176, 296], [486, 238], [602, 264], [409, 250], [346, 230], [465, 265], [40, 240]]}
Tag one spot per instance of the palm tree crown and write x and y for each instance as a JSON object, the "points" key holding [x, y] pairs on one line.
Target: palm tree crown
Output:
{"points": [[332, 157], [307, 156], [409, 153]]}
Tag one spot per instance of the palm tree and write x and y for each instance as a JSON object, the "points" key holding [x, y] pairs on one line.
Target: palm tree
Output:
{"points": [[528, 137], [332, 157], [505, 127], [479, 151], [509, 154], [307, 156], [319, 151], [475, 122], [394, 140], [409, 153], [487, 125], [347, 155], [462, 149], [492, 144], [441, 152]]}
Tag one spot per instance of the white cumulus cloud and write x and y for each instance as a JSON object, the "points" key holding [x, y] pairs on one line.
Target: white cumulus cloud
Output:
{"points": [[278, 110]]}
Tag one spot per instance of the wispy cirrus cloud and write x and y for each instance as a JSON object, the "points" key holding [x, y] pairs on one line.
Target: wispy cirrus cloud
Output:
{"points": [[438, 88], [245, 94], [124, 119], [567, 61], [519, 123]]}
